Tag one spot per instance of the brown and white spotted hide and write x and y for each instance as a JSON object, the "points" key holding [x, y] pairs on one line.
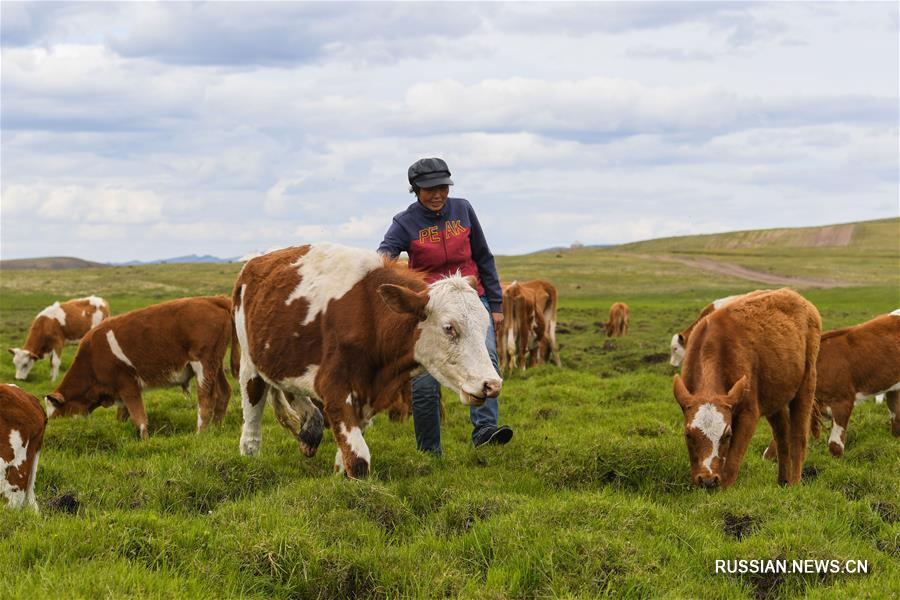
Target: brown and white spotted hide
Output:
{"points": [[619, 319], [755, 357], [345, 328], [856, 363], [162, 345], [680, 340], [52, 328], [22, 422], [529, 325]]}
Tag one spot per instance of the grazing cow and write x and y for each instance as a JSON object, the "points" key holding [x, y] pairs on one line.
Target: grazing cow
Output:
{"points": [[680, 340], [755, 357], [619, 317], [344, 328], [529, 325], [22, 422], [159, 346], [53, 327], [856, 363]]}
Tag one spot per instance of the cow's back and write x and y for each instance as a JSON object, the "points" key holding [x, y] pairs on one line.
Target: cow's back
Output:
{"points": [[772, 337], [83, 314], [864, 358], [157, 341]]}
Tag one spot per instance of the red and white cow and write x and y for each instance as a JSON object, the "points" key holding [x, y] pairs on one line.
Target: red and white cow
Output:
{"points": [[856, 363], [22, 422], [755, 357], [346, 327], [162, 345], [53, 327], [529, 325]]}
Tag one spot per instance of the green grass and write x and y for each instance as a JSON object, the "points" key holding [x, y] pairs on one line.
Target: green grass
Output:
{"points": [[590, 499]]}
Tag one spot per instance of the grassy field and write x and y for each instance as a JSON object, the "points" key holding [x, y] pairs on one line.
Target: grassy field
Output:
{"points": [[590, 499]]}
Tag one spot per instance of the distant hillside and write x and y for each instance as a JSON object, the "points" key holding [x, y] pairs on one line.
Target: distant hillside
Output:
{"points": [[190, 258], [49, 262], [881, 235]]}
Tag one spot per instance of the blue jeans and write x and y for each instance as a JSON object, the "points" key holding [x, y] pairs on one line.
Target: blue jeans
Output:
{"points": [[426, 399]]}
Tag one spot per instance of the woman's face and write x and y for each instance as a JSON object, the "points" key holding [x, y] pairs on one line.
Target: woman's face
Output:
{"points": [[434, 198]]}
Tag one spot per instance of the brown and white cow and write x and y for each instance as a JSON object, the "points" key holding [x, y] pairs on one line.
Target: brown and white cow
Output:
{"points": [[679, 340], [754, 357], [162, 345], [346, 327], [856, 363], [53, 327], [22, 422], [619, 318], [529, 325]]}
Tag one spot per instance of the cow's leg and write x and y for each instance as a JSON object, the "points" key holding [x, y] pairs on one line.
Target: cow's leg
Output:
{"points": [[551, 337], [121, 411], [222, 396], [130, 394], [893, 403], [301, 417], [347, 430], [840, 418], [781, 440], [801, 409], [742, 433], [253, 401], [55, 360], [32, 475], [206, 392]]}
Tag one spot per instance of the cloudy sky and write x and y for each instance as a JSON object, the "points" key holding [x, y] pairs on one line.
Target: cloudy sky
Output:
{"points": [[151, 130]]}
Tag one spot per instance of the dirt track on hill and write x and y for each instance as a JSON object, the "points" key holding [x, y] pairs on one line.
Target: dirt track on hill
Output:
{"points": [[740, 272]]}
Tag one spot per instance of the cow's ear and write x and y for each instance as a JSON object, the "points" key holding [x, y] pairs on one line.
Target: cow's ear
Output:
{"points": [[56, 398], [681, 340], [403, 300], [12, 351], [738, 391], [682, 396], [472, 282], [34, 356]]}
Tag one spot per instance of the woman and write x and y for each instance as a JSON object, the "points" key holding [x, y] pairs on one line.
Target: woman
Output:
{"points": [[442, 235]]}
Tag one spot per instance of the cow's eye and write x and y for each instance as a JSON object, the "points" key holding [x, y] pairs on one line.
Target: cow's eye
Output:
{"points": [[450, 331]]}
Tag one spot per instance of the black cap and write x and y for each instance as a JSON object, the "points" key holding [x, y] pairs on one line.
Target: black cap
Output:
{"points": [[429, 172]]}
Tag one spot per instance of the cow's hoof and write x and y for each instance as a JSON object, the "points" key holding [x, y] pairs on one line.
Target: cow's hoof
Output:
{"points": [[249, 447], [895, 430], [357, 469], [836, 449], [311, 435]]}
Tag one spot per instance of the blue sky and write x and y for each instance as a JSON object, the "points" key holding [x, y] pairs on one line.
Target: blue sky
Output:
{"points": [[150, 130]]}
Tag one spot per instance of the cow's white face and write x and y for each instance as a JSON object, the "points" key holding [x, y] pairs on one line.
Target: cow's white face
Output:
{"points": [[451, 343], [677, 350], [23, 360]]}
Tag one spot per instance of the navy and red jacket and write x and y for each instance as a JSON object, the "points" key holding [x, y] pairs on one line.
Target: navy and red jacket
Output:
{"points": [[440, 243]]}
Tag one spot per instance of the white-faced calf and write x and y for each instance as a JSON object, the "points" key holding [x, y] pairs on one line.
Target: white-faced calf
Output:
{"points": [[755, 357], [52, 328]]}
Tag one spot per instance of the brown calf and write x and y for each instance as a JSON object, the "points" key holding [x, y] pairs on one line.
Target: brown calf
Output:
{"points": [[855, 363], [619, 317], [53, 327], [344, 328], [22, 422], [159, 346], [529, 325], [755, 357]]}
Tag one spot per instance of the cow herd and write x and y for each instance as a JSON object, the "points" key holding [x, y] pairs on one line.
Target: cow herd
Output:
{"points": [[331, 335]]}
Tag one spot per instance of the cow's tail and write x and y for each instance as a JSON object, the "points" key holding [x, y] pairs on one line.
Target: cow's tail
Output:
{"points": [[815, 420]]}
